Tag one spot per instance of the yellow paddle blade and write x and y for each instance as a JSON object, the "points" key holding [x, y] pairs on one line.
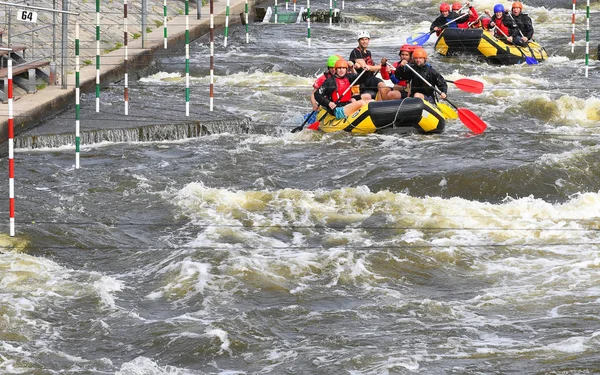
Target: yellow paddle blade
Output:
{"points": [[447, 112]]}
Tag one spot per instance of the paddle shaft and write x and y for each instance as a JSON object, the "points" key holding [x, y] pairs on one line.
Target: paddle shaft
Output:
{"points": [[454, 20], [468, 118], [344, 93], [520, 32], [424, 37], [474, 22], [299, 128], [438, 91], [528, 60]]}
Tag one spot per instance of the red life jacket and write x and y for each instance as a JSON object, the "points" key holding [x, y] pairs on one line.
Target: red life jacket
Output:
{"points": [[341, 85]]}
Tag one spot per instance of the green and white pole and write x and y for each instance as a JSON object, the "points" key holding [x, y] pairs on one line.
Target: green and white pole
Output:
{"points": [[97, 55], [308, 20], [275, 11], [246, 15], [587, 38], [77, 95], [126, 60], [187, 57], [165, 34], [226, 24], [287, 4], [330, 12]]}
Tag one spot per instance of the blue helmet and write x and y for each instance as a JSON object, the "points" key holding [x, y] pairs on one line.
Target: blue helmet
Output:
{"points": [[498, 8]]}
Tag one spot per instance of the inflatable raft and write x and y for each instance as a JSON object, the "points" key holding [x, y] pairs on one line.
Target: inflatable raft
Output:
{"points": [[377, 116], [483, 43]]}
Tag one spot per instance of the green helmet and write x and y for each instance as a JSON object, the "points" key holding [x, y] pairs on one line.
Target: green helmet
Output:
{"points": [[332, 60]]}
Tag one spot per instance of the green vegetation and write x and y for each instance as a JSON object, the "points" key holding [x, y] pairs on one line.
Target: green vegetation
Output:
{"points": [[137, 35], [87, 62], [116, 47]]}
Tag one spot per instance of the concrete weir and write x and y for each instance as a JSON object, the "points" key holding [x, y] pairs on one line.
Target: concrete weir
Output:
{"points": [[32, 109]]}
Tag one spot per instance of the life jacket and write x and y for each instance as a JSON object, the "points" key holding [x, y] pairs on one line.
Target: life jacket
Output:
{"points": [[322, 78], [341, 84], [500, 25]]}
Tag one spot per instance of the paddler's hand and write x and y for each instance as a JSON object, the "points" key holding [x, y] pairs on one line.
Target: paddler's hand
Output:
{"points": [[443, 95], [332, 105]]}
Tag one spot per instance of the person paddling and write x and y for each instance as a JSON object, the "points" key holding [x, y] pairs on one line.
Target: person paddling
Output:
{"points": [[521, 28], [335, 94], [421, 70], [400, 78], [446, 15], [328, 73], [499, 21]]}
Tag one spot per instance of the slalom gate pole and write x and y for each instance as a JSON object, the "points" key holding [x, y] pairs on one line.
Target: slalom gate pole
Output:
{"points": [[275, 11], [587, 38], [187, 57], [212, 53], [11, 151], [226, 24], [246, 15], [330, 12], [125, 61], [165, 34], [308, 20], [77, 96], [573, 31], [97, 55]]}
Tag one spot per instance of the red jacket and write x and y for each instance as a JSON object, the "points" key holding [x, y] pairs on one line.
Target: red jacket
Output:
{"points": [[473, 18], [500, 25]]}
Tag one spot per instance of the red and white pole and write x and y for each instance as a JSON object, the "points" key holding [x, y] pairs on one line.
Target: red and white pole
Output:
{"points": [[573, 32], [11, 151]]}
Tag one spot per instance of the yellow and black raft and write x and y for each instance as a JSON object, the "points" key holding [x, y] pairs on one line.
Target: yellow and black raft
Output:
{"points": [[380, 116], [483, 43]]}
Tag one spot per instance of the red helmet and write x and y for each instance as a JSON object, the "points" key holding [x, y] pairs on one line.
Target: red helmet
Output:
{"points": [[456, 6], [407, 48], [419, 52], [444, 7]]}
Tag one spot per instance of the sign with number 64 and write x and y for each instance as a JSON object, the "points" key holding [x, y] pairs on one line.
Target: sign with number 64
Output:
{"points": [[27, 16]]}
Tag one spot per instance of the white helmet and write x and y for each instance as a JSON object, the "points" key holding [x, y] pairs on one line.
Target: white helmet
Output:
{"points": [[364, 34]]}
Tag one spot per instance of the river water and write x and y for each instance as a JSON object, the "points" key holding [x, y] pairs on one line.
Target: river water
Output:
{"points": [[266, 252]]}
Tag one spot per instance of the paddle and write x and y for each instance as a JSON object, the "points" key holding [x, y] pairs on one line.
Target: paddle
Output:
{"points": [[464, 84], [532, 59], [299, 128], [447, 112], [468, 118], [528, 60], [421, 38], [477, 20], [468, 85], [315, 127]]}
